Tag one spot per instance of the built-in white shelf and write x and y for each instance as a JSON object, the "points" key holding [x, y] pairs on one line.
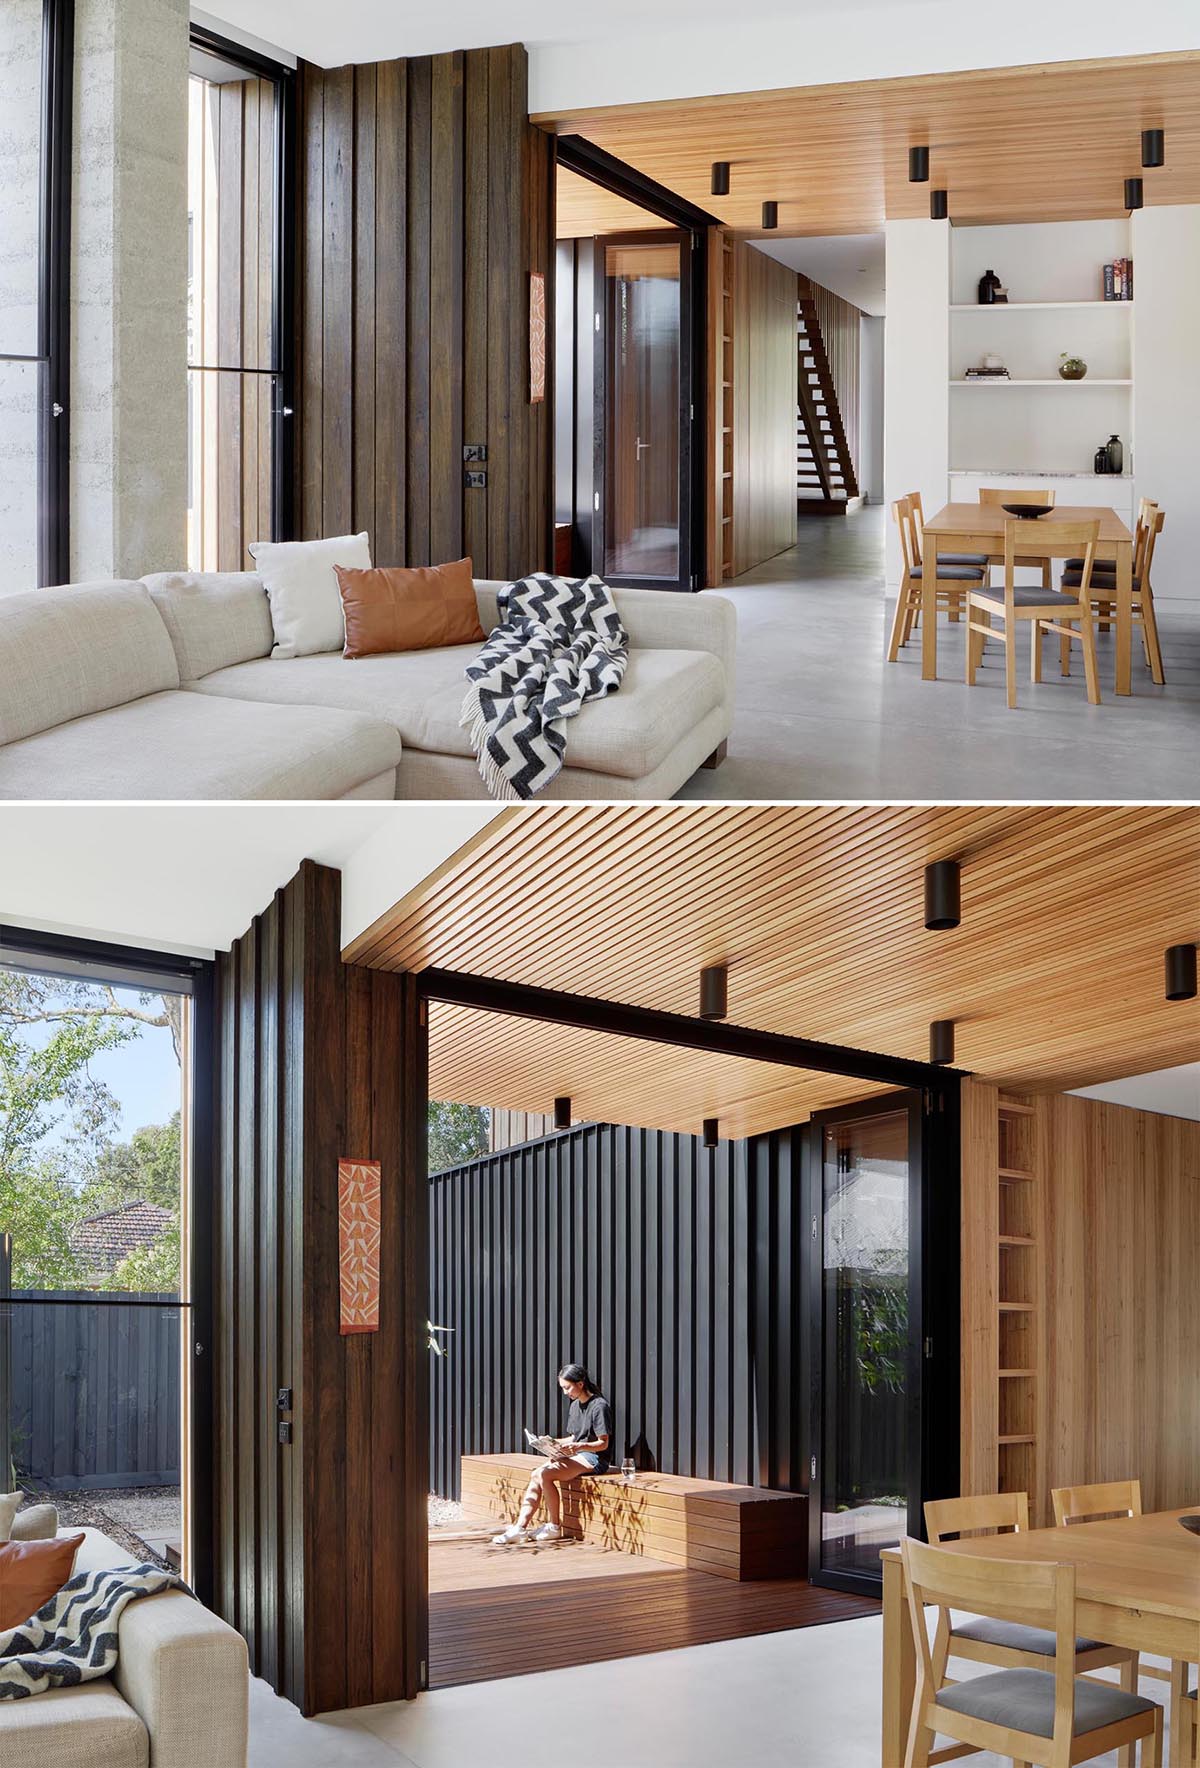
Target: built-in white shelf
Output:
{"points": [[1055, 381], [1031, 306]]}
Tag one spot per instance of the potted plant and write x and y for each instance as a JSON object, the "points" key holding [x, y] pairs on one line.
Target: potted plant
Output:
{"points": [[1071, 368]]}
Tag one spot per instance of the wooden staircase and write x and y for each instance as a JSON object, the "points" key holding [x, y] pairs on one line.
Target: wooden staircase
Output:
{"points": [[825, 477]]}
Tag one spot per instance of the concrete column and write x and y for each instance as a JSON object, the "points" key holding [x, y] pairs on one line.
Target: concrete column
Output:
{"points": [[916, 368], [129, 288]]}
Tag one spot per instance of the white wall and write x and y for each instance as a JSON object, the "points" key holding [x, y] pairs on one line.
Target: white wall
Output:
{"points": [[1166, 385], [817, 45], [870, 407], [915, 369]]}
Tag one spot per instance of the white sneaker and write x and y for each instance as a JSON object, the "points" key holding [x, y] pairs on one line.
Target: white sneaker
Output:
{"points": [[506, 1537], [549, 1531]]}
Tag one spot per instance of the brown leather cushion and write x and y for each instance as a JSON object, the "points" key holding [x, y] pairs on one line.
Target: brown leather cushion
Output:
{"points": [[392, 608], [31, 1572]]}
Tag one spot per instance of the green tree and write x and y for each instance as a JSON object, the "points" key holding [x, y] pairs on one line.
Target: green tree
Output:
{"points": [[152, 1270], [457, 1133], [145, 1167]]}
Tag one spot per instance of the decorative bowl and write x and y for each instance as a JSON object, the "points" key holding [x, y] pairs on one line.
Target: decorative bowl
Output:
{"points": [[1071, 368], [1191, 1524], [1027, 509]]}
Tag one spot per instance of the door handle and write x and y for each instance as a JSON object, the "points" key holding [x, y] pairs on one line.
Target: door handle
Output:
{"points": [[641, 447]]}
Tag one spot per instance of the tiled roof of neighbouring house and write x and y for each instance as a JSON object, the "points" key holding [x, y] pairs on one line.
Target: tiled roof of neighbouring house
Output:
{"points": [[104, 1240]]}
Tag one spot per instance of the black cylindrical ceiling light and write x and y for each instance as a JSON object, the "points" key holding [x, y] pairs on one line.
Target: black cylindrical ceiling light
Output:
{"points": [[1181, 972], [714, 991], [562, 1114], [943, 906], [720, 178], [711, 1131], [1133, 193], [941, 1042], [770, 215], [918, 165], [1154, 147], [938, 206]]}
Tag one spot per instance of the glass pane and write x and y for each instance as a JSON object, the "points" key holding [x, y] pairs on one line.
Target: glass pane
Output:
{"points": [[20, 173], [91, 1415], [20, 462], [229, 468], [642, 395], [231, 221], [865, 1301]]}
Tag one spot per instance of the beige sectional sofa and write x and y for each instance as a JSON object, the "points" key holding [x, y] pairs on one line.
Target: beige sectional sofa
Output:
{"points": [[179, 1696], [166, 688]]}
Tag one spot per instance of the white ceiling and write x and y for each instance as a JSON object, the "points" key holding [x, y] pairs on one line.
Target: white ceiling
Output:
{"points": [[192, 878], [1174, 1092], [849, 264]]}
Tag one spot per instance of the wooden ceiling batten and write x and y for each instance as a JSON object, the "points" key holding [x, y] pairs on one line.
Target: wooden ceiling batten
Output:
{"points": [[1054, 978], [1041, 142]]}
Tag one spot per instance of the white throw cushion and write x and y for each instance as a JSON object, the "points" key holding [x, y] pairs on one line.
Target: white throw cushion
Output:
{"points": [[37, 1522], [10, 1503], [306, 605]]}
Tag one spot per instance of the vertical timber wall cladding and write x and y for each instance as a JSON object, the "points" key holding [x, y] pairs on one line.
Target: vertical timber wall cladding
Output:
{"points": [[764, 407], [426, 201], [673, 1272], [320, 1555]]}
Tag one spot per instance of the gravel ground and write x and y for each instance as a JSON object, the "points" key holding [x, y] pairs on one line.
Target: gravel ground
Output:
{"points": [[120, 1515], [444, 1513]]}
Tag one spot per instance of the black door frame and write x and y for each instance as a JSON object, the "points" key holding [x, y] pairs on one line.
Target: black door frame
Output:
{"points": [[125, 963], [934, 1276], [589, 161], [282, 372]]}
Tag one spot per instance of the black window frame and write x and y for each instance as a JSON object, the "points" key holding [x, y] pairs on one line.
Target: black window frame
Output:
{"points": [[52, 357], [283, 273], [124, 965]]}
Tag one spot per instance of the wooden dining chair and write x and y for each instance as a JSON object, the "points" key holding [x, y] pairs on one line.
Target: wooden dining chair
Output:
{"points": [[1042, 496], [1044, 1716], [944, 558], [1117, 1497], [1050, 610], [1104, 588], [1180, 1676], [953, 581], [1008, 1644]]}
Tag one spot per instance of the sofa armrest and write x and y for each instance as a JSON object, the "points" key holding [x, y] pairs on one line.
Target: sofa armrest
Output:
{"points": [[186, 1674], [658, 620]]}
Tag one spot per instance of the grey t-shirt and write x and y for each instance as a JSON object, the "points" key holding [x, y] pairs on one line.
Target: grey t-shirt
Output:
{"points": [[590, 1420]]}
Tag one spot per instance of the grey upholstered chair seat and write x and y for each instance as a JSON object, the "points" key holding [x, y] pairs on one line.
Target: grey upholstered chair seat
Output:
{"points": [[945, 558], [952, 573], [1024, 1701], [1028, 596], [1100, 580], [1011, 1633]]}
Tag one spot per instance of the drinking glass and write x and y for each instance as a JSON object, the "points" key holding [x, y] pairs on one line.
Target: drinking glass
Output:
{"points": [[628, 1471]]}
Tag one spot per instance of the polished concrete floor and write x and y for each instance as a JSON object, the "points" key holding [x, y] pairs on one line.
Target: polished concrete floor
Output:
{"points": [[807, 1699], [820, 714]]}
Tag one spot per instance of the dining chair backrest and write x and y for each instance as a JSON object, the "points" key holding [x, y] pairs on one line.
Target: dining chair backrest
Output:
{"points": [[1150, 526], [903, 517], [1022, 535], [1118, 1497], [917, 512], [1000, 494], [1029, 1592], [986, 1514]]}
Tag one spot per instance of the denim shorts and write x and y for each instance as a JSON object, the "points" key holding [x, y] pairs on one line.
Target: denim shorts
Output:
{"points": [[590, 1459]]}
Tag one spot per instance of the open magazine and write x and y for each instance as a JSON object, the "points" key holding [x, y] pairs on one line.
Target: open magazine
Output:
{"points": [[541, 1445]]}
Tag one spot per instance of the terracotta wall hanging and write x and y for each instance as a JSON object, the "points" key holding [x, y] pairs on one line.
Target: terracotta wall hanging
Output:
{"points": [[537, 337], [358, 1244]]}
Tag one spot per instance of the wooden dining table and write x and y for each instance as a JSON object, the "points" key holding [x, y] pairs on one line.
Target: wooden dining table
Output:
{"points": [[979, 528], [1137, 1583]]}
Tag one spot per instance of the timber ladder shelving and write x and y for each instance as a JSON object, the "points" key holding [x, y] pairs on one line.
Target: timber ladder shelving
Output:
{"points": [[1019, 1252]]}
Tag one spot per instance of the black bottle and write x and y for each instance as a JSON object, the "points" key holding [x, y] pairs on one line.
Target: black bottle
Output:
{"points": [[989, 282], [1101, 461], [1116, 455]]}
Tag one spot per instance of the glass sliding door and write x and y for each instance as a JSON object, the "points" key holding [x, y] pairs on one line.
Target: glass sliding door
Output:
{"points": [[865, 1166], [643, 436], [35, 98]]}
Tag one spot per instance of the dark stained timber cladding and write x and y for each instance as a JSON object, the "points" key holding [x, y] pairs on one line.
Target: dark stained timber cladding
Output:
{"points": [[670, 1270]]}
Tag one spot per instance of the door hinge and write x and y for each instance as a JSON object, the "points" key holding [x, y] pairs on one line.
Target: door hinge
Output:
{"points": [[596, 500], [929, 1347], [812, 1468], [814, 1227], [597, 322], [692, 412]]}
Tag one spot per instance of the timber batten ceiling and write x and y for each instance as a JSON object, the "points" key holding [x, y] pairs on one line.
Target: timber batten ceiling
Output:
{"points": [[1052, 142], [1054, 979]]}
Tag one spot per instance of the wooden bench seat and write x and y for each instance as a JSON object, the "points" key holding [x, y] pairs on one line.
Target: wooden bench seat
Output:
{"points": [[739, 1532]]}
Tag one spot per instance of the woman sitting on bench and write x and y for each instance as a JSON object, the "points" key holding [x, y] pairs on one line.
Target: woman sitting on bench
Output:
{"points": [[584, 1449]]}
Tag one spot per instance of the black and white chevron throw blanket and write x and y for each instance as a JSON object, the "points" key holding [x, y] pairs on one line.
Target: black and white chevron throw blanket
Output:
{"points": [[74, 1637], [560, 642]]}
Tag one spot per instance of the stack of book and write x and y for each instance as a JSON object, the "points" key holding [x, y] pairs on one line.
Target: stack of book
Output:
{"points": [[986, 374], [1118, 280]]}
